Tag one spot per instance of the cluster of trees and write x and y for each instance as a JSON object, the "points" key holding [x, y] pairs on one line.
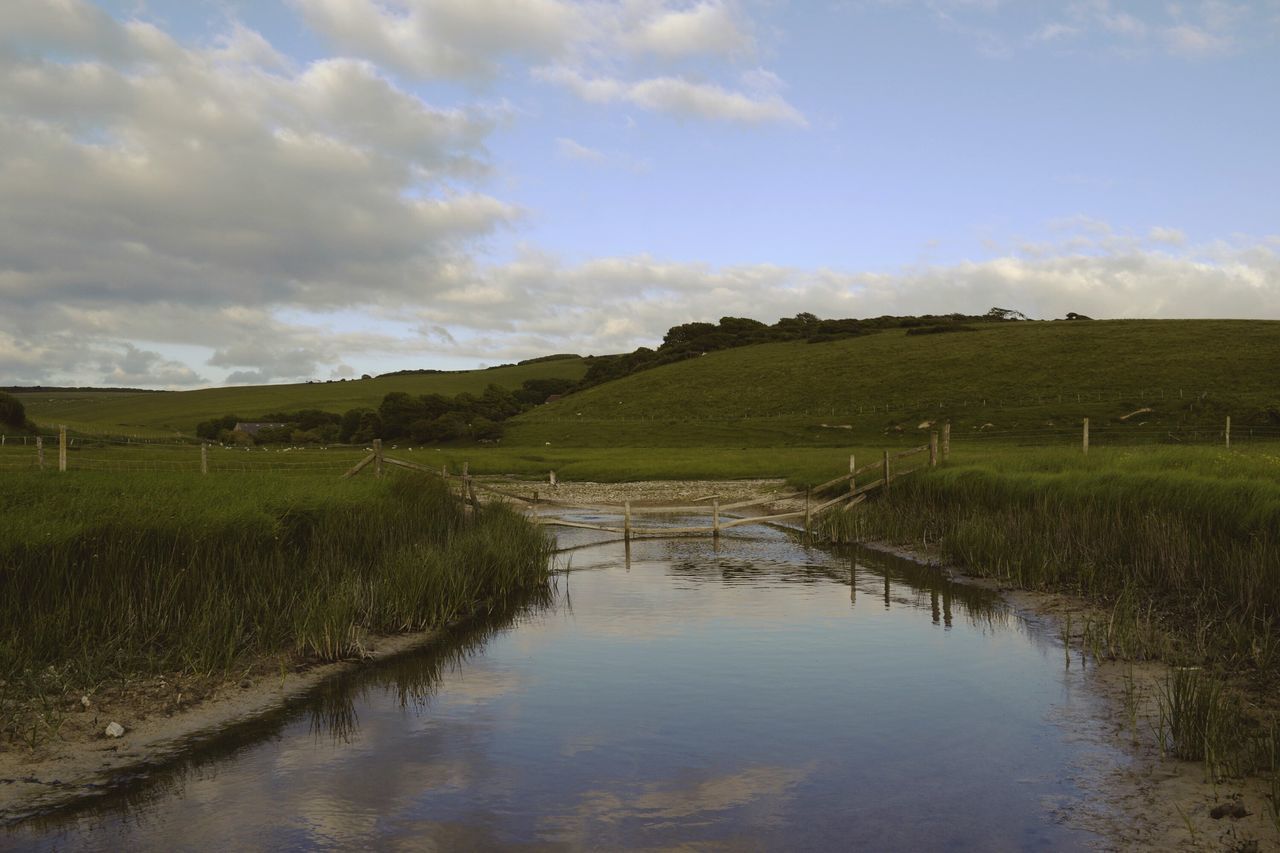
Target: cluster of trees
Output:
{"points": [[423, 418], [13, 415]]}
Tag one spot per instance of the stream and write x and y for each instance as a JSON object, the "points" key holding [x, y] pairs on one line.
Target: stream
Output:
{"points": [[751, 694]]}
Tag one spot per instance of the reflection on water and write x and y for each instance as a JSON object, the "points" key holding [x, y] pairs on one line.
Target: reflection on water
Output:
{"points": [[746, 694]]}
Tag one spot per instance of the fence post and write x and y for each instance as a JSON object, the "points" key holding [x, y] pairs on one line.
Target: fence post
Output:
{"points": [[946, 441], [1228, 430], [40, 451], [552, 479], [533, 507], [886, 470], [933, 449], [626, 520], [204, 459], [1086, 437], [715, 517], [377, 457], [62, 447], [852, 486]]}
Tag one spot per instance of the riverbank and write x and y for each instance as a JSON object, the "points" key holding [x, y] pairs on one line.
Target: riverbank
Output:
{"points": [[163, 718], [134, 600]]}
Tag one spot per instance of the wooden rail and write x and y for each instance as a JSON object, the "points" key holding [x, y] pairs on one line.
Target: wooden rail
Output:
{"points": [[848, 497]]}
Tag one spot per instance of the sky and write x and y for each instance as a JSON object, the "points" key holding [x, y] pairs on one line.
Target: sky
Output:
{"points": [[210, 192]]}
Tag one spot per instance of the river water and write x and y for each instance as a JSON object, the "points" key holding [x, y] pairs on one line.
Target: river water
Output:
{"points": [[755, 694]]}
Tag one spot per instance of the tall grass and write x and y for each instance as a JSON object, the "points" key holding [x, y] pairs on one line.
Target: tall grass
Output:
{"points": [[1188, 537], [104, 576]]}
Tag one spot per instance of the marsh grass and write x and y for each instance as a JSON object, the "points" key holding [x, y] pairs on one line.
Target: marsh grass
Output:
{"points": [[105, 577], [1182, 543]]}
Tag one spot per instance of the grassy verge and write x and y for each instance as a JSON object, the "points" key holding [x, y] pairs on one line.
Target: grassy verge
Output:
{"points": [[1180, 546], [108, 576]]}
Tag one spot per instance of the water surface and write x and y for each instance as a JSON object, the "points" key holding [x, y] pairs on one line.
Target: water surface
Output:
{"points": [[753, 695]]}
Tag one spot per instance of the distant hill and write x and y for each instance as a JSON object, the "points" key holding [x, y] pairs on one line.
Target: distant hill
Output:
{"points": [[160, 413], [1006, 378]]}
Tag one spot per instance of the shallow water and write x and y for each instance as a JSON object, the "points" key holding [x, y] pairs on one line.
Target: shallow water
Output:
{"points": [[754, 695]]}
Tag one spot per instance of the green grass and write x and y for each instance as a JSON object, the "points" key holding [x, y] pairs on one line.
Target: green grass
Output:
{"points": [[104, 575], [1189, 536], [1021, 379], [158, 414]]}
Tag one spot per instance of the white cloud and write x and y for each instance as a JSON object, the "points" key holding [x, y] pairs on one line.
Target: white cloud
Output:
{"points": [[198, 186], [1126, 28], [706, 28], [577, 151], [678, 97], [1171, 236], [1195, 42], [447, 38], [145, 368]]}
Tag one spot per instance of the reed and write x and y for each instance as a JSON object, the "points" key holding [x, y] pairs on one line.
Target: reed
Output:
{"points": [[1167, 543], [103, 576]]}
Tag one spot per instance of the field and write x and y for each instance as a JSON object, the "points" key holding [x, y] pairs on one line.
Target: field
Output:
{"points": [[178, 412], [1016, 380]]}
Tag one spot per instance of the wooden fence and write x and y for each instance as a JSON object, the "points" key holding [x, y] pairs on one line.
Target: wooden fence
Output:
{"points": [[542, 510]]}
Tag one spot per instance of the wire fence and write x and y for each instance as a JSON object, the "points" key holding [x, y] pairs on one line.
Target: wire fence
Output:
{"points": [[59, 451]]}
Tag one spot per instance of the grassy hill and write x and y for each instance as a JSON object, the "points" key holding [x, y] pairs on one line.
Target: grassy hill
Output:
{"points": [[152, 413], [1009, 380]]}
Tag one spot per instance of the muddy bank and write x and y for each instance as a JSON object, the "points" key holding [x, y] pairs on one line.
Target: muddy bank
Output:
{"points": [[162, 717]]}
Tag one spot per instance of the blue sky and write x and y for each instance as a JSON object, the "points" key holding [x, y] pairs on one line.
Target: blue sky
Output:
{"points": [[196, 193]]}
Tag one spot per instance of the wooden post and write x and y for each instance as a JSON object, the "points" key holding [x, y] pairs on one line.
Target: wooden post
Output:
{"points": [[1086, 436], [715, 518], [626, 520], [806, 509], [40, 451], [204, 459], [552, 479], [62, 447], [377, 457], [886, 469], [1228, 433], [853, 488], [444, 471], [933, 449], [533, 507], [946, 441]]}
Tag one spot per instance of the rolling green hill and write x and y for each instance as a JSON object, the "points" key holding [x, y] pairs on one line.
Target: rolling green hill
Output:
{"points": [[151, 413], [1009, 379]]}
